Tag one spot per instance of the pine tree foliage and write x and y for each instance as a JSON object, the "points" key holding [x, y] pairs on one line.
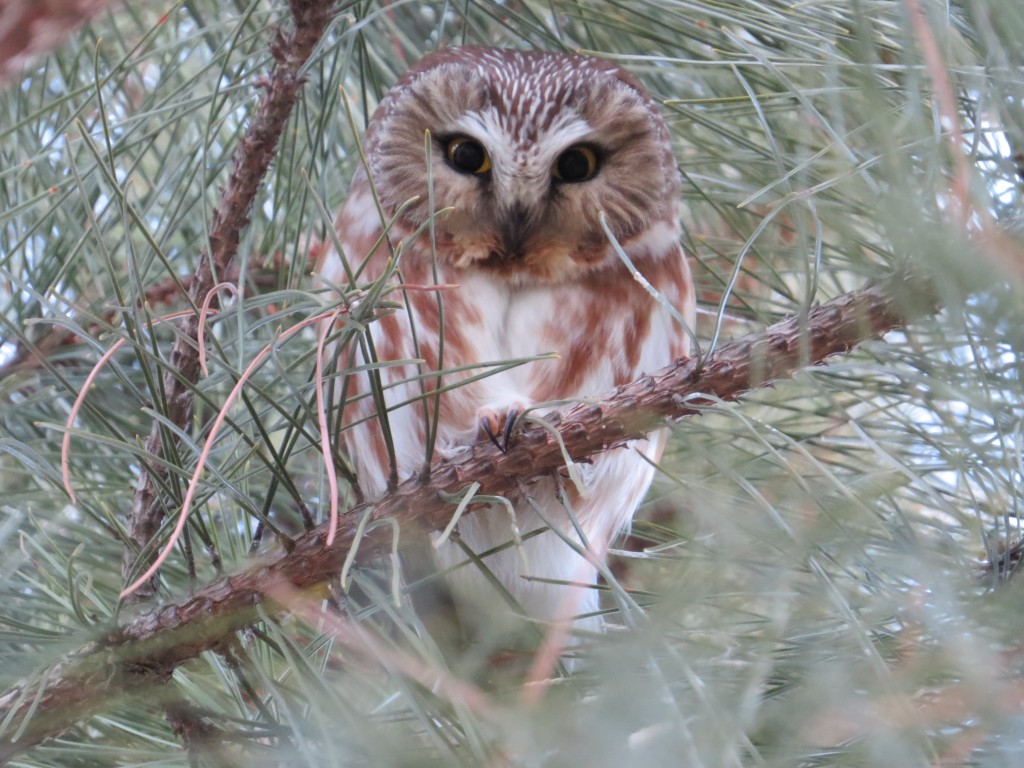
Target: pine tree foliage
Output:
{"points": [[822, 574]]}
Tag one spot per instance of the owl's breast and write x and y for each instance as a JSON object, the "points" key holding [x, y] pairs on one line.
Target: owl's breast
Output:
{"points": [[602, 333]]}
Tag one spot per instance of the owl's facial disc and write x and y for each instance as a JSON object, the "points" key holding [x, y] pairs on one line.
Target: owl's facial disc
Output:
{"points": [[506, 191], [529, 149]]}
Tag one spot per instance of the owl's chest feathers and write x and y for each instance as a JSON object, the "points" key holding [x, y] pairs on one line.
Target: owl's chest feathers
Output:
{"points": [[602, 331], [510, 321]]}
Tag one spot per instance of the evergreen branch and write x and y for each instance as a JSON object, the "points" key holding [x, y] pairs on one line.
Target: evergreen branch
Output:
{"points": [[147, 649], [252, 159], [31, 355]]}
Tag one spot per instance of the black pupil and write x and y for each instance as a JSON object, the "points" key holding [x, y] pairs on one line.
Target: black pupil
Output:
{"points": [[573, 165], [468, 156]]}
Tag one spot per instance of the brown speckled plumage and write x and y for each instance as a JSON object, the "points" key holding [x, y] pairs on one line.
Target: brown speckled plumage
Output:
{"points": [[536, 273]]}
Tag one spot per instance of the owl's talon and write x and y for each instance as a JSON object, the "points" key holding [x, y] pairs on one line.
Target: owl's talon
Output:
{"points": [[497, 424], [485, 427], [506, 435]]}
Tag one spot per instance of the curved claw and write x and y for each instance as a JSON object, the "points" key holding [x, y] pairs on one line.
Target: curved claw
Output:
{"points": [[485, 427], [506, 434], [497, 423], [500, 442]]}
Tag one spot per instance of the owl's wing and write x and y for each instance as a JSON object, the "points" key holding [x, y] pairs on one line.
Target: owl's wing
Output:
{"points": [[354, 380], [359, 228]]}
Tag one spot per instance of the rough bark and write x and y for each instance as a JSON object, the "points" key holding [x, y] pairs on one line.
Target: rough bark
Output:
{"points": [[148, 648]]}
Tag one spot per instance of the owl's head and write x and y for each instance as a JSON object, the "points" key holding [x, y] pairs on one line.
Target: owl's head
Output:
{"points": [[527, 148]]}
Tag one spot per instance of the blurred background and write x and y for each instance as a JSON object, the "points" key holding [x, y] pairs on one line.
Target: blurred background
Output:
{"points": [[824, 570]]}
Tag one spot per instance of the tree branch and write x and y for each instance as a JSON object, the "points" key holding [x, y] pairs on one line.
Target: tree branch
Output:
{"points": [[149, 647], [252, 159], [36, 353]]}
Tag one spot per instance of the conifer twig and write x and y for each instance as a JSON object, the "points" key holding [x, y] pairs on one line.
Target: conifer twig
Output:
{"points": [[29, 356], [251, 161], [149, 647]]}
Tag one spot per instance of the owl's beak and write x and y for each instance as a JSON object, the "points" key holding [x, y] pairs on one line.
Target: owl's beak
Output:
{"points": [[517, 224]]}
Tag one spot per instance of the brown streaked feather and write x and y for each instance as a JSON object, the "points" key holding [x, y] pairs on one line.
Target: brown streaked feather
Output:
{"points": [[533, 272]]}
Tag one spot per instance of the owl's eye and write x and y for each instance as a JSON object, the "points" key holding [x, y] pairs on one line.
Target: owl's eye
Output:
{"points": [[467, 155], [576, 164]]}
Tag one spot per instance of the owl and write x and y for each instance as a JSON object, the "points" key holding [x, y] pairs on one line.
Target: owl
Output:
{"points": [[487, 174]]}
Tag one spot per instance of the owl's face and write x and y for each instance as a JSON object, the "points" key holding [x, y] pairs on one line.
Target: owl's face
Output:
{"points": [[526, 148]]}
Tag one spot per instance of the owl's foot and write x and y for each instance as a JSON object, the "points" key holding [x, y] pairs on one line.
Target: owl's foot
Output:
{"points": [[498, 425]]}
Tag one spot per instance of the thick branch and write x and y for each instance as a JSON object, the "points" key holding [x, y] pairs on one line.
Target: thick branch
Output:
{"points": [[151, 646], [252, 159]]}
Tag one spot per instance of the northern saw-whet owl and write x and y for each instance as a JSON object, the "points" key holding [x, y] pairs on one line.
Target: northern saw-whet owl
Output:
{"points": [[527, 148]]}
